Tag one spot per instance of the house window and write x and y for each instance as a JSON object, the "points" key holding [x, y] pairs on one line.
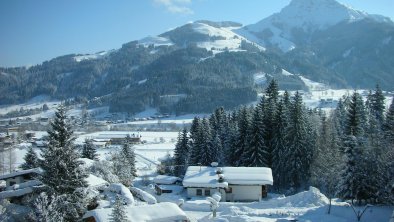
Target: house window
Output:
{"points": [[207, 192], [199, 192], [229, 190], [12, 183]]}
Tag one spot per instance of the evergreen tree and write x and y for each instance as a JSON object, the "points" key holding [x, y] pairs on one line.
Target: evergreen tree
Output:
{"points": [[351, 178], [327, 160], [355, 117], [62, 171], [297, 153], [194, 128], [353, 181], [243, 130], [181, 153], [129, 154], [231, 143], [63, 175], [206, 148], [197, 142], [31, 160], [377, 105], [89, 150], [216, 149], [269, 110], [118, 213], [389, 124], [255, 153], [279, 146]]}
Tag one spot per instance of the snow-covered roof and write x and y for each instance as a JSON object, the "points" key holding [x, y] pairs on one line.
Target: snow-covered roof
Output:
{"points": [[161, 212], [164, 179], [15, 193], [21, 172], [26, 184], [197, 176]]}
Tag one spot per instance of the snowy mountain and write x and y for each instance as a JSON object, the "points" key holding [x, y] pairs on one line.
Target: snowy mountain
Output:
{"points": [[213, 36], [301, 18]]}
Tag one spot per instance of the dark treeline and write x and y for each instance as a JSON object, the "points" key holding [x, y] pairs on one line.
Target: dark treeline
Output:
{"points": [[347, 153]]}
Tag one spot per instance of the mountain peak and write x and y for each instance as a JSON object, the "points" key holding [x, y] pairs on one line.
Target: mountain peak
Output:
{"points": [[298, 20], [317, 14]]}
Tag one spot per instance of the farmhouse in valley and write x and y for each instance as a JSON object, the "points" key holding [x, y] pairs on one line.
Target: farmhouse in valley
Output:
{"points": [[234, 183]]}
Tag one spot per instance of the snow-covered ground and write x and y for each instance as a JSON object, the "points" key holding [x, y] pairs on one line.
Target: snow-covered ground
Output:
{"points": [[307, 206]]}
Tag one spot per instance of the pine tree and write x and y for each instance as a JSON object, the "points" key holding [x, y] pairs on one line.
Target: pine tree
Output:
{"points": [[118, 213], [31, 160], [62, 171], [181, 153], [89, 150], [255, 153]]}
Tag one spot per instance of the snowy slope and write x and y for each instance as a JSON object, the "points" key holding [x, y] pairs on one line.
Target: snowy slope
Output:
{"points": [[97, 55], [228, 38], [304, 16]]}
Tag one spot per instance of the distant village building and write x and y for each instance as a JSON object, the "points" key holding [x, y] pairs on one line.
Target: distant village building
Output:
{"points": [[166, 184], [119, 139], [234, 183]]}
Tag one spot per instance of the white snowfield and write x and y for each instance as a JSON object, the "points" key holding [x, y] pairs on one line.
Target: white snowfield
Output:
{"points": [[197, 176], [161, 212], [155, 40], [231, 40]]}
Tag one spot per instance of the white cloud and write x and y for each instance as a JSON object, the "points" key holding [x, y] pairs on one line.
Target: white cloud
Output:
{"points": [[176, 6]]}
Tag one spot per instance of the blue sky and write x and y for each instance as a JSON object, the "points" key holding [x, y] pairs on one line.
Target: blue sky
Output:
{"points": [[35, 31]]}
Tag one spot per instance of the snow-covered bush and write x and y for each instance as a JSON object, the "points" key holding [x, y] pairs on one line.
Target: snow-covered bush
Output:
{"points": [[142, 195], [103, 170]]}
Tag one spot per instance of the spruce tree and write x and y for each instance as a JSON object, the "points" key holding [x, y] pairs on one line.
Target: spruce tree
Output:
{"points": [[89, 150], [129, 155], [269, 110], [389, 124], [279, 146], [62, 171], [206, 149], [353, 180], [63, 175], [181, 153], [243, 127], [31, 160], [377, 105], [118, 213], [297, 156], [255, 153]]}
